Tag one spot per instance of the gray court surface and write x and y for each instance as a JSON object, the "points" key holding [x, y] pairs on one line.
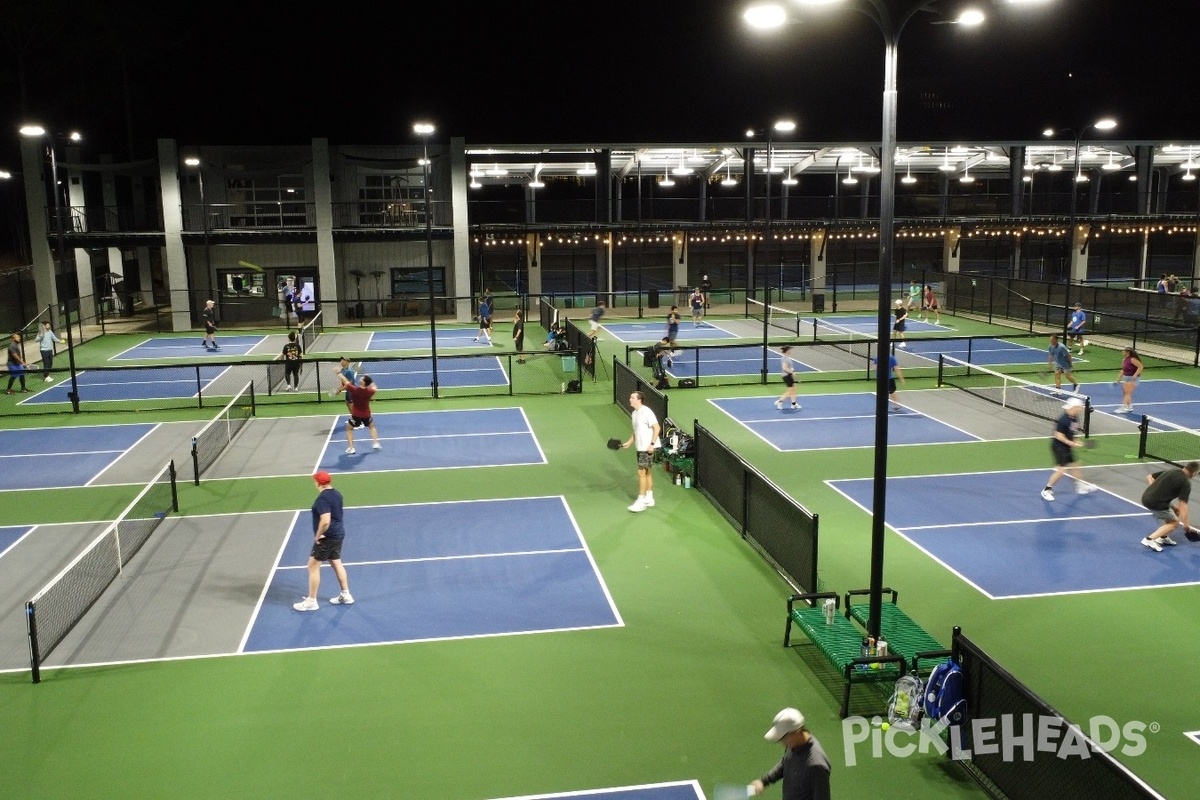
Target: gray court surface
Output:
{"points": [[268, 447], [191, 591]]}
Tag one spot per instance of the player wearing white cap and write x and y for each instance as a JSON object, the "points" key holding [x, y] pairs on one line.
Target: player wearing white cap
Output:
{"points": [[804, 768]]}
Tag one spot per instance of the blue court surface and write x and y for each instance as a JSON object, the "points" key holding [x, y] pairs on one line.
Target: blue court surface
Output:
{"points": [[439, 571], [10, 536], [486, 437], [54, 458], [732, 361], [1018, 545], [189, 347], [156, 383], [678, 790], [983, 351], [834, 421], [1172, 401], [653, 331], [419, 339], [417, 373]]}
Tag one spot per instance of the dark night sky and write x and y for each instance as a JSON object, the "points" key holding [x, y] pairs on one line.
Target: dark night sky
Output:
{"points": [[619, 71]]}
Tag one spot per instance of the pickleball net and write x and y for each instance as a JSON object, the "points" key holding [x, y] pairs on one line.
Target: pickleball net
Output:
{"points": [[61, 604], [856, 343], [213, 438], [310, 331], [1168, 442], [783, 319], [1008, 391]]}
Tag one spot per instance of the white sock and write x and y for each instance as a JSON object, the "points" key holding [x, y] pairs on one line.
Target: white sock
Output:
{"points": [[650, 495]]}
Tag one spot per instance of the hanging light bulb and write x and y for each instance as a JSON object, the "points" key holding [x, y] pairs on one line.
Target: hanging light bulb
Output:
{"points": [[729, 180], [849, 180], [1111, 165], [908, 176], [587, 169], [666, 178], [946, 166], [682, 169]]}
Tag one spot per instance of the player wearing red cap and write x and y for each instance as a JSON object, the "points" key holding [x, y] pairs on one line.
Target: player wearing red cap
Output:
{"points": [[328, 533]]}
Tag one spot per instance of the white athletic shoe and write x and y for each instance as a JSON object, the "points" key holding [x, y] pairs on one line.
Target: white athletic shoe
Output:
{"points": [[1085, 488], [49, 379], [350, 451], [795, 406], [903, 344], [344, 599], [377, 446], [648, 502], [1047, 495], [307, 604], [638, 505], [1152, 544], [779, 404], [1168, 541]]}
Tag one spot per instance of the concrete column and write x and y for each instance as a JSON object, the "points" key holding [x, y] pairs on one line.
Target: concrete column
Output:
{"points": [[112, 261], [816, 263], [33, 165], [679, 261], [330, 290], [76, 219], [950, 248], [1079, 260], [459, 254], [174, 255], [533, 280]]}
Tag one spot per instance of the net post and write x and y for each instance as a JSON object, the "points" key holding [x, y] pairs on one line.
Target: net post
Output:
{"points": [[199, 389], [941, 367], [196, 459], [253, 403], [35, 658], [174, 487], [1087, 417], [1143, 433]]}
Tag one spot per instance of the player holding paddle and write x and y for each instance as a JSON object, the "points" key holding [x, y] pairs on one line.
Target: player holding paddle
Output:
{"points": [[644, 439], [210, 326], [360, 410], [1058, 355], [1131, 373], [1063, 446], [1167, 499]]}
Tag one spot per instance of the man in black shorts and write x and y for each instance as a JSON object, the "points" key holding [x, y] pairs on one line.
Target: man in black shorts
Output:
{"points": [[1063, 445], [328, 533], [360, 410], [210, 326], [1167, 499]]}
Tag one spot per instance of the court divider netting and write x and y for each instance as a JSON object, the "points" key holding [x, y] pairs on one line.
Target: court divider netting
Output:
{"points": [[1007, 391], [59, 606], [1168, 442], [783, 319], [213, 438]]}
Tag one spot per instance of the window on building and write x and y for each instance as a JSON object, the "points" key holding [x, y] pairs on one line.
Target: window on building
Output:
{"points": [[271, 202]]}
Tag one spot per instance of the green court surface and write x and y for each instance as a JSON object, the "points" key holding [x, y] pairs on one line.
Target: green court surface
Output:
{"points": [[684, 689]]}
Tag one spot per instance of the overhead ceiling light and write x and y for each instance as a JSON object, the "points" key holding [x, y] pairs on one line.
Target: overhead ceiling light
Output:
{"points": [[1188, 176], [475, 184], [972, 16], [849, 180], [946, 166], [587, 169], [476, 172], [790, 180], [696, 158], [872, 168], [536, 184], [908, 176], [1081, 178], [765, 16], [666, 179], [496, 171], [681, 169], [728, 180], [1054, 166], [1111, 165]]}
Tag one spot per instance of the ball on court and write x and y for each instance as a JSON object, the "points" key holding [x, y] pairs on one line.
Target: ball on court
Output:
{"points": [[885, 726]]}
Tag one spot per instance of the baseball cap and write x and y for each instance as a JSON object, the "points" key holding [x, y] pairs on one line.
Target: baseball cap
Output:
{"points": [[323, 478], [1074, 402], [787, 721]]}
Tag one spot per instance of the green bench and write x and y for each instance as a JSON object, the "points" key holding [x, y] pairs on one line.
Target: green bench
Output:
{"points": [[840, 643], [905, 637]]}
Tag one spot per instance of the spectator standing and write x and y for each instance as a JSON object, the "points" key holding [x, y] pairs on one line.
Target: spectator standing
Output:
{"points": [[1131, 373], [518, 334], [1166, 498], [804, 768], [46, 342], [329, 531], [1161, 288], [16, 363], [644, 440]]}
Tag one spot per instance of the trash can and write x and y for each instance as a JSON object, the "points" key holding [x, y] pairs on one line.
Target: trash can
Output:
{"points": [[652, 298], [818, 303]]}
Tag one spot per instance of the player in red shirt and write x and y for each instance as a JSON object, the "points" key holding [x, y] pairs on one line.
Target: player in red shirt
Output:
{"points": [[360, 410]]}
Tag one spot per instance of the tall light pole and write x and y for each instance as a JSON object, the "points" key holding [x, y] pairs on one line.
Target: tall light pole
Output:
{"points": [[890, 16], [783, 126], [1100, 125], [425, 130], [194, 162], [39, 131]]}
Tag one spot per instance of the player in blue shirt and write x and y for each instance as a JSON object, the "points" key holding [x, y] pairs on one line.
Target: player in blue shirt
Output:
{"points": [[1058, 355], [1076, 327], [594, 321], [893, 371], [328, 534], [673, 325]]}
